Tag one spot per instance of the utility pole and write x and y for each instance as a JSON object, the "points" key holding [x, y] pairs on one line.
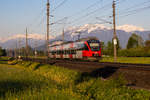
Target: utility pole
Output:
{"points": [[26, 43], [47, 42], [35, 51], [63, 31], [79, 34], [63, 35], [115, 36], [16, 50], [19, 44]]}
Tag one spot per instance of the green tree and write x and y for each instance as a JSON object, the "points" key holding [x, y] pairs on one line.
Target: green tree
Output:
{"points": [[147, 45], [103, 46], [109, 48], [2, 52], [134, 41]]}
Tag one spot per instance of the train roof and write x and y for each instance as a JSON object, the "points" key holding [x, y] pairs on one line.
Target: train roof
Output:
{"points": [[80, 40], [86, 39]]}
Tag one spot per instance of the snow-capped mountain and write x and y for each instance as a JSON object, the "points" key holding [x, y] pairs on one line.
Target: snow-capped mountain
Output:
{"points": [[102, 32], [18, 40], [130, 28]]}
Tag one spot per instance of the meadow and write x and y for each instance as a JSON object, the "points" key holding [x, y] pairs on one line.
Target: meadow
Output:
{"points": [[135, 60], [21, 80]]}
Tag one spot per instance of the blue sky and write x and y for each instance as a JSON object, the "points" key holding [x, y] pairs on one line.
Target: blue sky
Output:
{"points": [[16, 15]]}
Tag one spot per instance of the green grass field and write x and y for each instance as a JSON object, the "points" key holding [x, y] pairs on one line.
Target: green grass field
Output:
{"points": [[33, 81], [138, 60]]}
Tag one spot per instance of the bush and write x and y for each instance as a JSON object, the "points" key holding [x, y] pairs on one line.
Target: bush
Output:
{"points": [[13, 62], [34, 66], [134, 52]]}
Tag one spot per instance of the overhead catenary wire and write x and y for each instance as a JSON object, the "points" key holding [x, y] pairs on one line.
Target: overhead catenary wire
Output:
{"points": [[81, 11], [105, 7], [133, 7], [37, 21], [37, 17], [87, 8], [59, 5], [134, 11]]}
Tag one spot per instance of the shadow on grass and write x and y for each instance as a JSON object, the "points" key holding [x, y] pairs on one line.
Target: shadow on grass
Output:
{"points": [[3, 62], [37, 66], [12, 87], [104, 72]]}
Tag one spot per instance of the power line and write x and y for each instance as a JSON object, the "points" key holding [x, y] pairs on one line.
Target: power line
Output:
{"points": [[37, 21], [78, 13], [37, 17], [134, 6], [134, 11], [87, 8], [63, 2], [88, 14]]}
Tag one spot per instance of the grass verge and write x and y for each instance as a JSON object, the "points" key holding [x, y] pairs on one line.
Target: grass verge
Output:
{"points": [[34, 81], [136, 60]]}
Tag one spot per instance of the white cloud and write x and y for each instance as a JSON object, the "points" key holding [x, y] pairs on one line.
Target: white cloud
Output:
{"points": [[130, 28]]}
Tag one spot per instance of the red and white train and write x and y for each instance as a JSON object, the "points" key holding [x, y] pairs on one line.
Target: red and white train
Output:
{"points": [[86, 49]]}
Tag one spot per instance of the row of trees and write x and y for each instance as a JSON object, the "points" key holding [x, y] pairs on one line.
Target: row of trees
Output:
{"points": [[136, 47], [23, 52]]}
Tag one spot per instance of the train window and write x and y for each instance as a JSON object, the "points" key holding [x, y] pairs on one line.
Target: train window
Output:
{"points": [[74, 51], [52, 52], [86, 47], [65, 51], [69, 52], [61, 52], [94, 45]]}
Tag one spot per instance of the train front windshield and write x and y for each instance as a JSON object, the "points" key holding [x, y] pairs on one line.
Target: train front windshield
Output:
{"points": [[94, 45]]}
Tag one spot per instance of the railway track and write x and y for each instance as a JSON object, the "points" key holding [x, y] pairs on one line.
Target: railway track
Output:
{"points": [[88, 66]]}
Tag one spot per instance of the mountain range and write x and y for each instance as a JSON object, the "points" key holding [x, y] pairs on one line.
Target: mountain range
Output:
{"points": [[104, 33], [100, 31]]}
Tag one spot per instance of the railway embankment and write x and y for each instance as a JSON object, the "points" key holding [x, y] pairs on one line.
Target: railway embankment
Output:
{"points": [[136, 75]]}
